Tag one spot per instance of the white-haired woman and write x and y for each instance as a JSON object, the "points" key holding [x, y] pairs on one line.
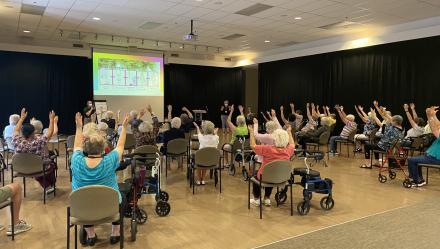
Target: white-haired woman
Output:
{"points": [[208, 138], [146, 133], [90, 166], [110, 120], [266, 138], [173, 133], [282, 149], [349, 127], [8, 132], [240, 130], [369, 126]]}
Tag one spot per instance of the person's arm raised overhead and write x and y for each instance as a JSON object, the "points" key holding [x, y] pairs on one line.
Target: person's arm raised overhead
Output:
{"points": [[314, 114], [289, 131], [252, 141], [121, 141], [309, 115], [141, 114], [23, 116], [269, 117], [410, 118], [431, 114], [230, 124], [187, 112], [78, 143], [241, 110], [317, 111], [341, 113], [169, 114], [292, 108], [375, 118], [264, 116], [413, 110], [358, 108], [55, 126], [197, 128], [51, 125], [361, 109], [379, 109], [283, 118]]}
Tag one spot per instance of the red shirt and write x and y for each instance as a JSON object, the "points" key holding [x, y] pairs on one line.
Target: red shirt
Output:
{"points": [[271, 153]]}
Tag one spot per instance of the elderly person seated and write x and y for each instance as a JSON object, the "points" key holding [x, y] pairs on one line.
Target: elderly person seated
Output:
{"points": [[8, 132], [432, 154], [239, 130], [29, 142], [187, 120], [146, 133], [90, 166], [282, 149], [417, 123], [311, 121], [312, 136], [350, 126], [294, 119], [208, 138], [14, 192], [369, 126], [110, 120], [171, 134], [392, 133], [266, 138]]}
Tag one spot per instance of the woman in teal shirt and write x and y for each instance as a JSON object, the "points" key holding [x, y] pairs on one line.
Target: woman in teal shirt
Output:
{"points": [[432, 154]]}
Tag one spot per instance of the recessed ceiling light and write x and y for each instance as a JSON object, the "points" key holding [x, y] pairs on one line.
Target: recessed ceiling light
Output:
{"points": [[96, 18], [26, 31], [266, 41], [181, 47], [298, 18]]}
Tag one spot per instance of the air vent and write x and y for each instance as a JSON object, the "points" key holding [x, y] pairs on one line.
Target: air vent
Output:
{"points": [[77, 45], [174, 55], [286, 44], [338, 25], [233, 37], [32, 9], [150, 25], [228, 59], [253, 9]]}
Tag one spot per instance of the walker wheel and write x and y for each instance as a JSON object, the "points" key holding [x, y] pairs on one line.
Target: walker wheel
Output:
{"points": [[133, 230], [231, 170], [382, 178], [392, 175], [307, 195], [303, 208], [82, 236], [163, 196], [407, 183], [141, 216], [162, 208], [327, 203], [280, 197]]}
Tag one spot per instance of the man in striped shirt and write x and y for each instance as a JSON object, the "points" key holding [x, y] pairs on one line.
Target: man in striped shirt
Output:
{"points": [[350, 126]]}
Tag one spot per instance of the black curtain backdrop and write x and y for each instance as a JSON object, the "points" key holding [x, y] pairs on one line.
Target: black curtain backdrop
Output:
{"points": [[200, 87], [394, 74], [41, 82]]}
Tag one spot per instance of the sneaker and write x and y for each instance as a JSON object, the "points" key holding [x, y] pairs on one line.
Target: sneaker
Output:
{"points": [[203, 183], [2, 227], [50, 190], [197, 182], [267, 202], [21, 227], [255, 202], [418, 184], [357, 150]]}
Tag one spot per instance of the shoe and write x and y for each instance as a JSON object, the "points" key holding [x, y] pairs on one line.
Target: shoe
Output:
{"points": [[92, 241], [50, 190], [21, 227], [202, 183], [357, 150], [114, 239], [255, 202], [415, 184], [2, 227], [197, 182], [267, 202]]}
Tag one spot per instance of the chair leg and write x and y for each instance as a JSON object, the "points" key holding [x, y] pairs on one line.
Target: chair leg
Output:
{"points": [[249, 194], [24, 186], [68, 227], [166, 166], [278, 190], [291, 200], [193, 181], [220, 178], [121, 227], [261, 203], [12, 221]]}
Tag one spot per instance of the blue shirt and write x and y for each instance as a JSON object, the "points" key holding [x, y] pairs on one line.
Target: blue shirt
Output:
{"points": [[103, 174], [8, 133], [390, 136], [434, 149]]}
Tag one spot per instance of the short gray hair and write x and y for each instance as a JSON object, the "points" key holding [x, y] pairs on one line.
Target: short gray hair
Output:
{"points": [[102, 126], [38, 126], [271, 126], [176, 123], [90, 129], [145, 127], [280, 138], [133, 114], [109, 115], [241, 120], [94, 144], [13, 119], [397, 119], [208, 127], [325, 121]]}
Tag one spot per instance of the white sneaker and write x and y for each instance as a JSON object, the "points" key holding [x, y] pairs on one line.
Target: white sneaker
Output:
{"points": [[255, 202], [203, 183], [197, 182], [267, 202], [50, 190], [21, 227]]}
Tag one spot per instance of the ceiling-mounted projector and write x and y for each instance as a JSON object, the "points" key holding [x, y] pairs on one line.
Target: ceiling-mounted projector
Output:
{"points": [[191, 36]]}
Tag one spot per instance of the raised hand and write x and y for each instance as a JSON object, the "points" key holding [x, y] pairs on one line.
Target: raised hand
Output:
{"points": [[360, 108], [373, 112], [232, 108], [125, 122], [78, 120], [149, 109], [273, 113], [170, 107], [55, 119], [291, 105], [412, 106], [375, 103], [405, 107], [23, 113], [281, 108], [51, 115], [240, 108]]}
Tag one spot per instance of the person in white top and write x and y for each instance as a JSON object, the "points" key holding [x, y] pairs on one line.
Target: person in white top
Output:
{"points": [[209, 138], [417, 123]]}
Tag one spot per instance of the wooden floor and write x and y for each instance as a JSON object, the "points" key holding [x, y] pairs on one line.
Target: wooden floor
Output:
{"points": [[212, 220]]}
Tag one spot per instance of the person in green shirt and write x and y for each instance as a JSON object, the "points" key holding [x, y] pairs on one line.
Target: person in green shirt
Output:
{"points": [[240, 129]]}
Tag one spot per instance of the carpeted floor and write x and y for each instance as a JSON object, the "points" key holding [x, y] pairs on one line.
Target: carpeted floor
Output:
{"points": [[416, 226]]}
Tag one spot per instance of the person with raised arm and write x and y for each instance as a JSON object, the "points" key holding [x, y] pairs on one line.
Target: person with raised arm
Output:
{"points": [[91, 166], [298, 117], [240, 130], [208, 138], [187, 119], [417, 124], [369, 126], [350, 126], [146, 133], [26, 141]]}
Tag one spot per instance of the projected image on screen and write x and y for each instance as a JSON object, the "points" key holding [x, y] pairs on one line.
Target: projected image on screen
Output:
{"points": [[128, 75]]}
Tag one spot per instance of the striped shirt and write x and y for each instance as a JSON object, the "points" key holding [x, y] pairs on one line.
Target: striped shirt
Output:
{"points": [[348, 129], [103, 174]]}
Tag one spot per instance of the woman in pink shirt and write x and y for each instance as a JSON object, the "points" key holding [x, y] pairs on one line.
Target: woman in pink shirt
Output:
{"points": [[267, 138], [282, 149]]}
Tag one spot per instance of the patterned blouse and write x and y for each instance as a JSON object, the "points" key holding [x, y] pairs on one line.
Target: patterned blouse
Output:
{"points": [[390, 136], [147, 138], [35, 146]]}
